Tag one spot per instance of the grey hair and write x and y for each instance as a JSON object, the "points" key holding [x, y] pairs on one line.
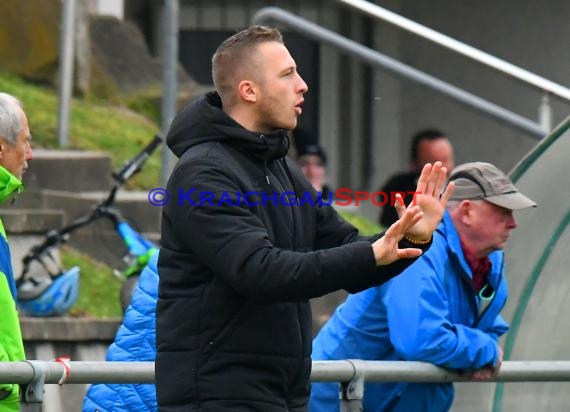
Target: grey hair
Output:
{"points": [[453, 204], [10, 120]]}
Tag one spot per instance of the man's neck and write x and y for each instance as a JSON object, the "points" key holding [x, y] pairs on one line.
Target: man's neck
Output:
{"points": [[244, 118], [472, 246]]}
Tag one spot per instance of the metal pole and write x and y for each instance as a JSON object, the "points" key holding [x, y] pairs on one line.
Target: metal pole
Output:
{"points": [[352, 392], [65, 71], [79, 372], [170, 64], [545, 112], [323, 371], [401, 371]]}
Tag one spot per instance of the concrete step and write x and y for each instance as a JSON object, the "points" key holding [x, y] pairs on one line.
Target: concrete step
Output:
{"points": [[102, 243], [99, 239], [26, 228], [31, 221], [68, 170]]}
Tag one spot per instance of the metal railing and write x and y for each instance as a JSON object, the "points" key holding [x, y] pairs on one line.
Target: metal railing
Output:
{"points": [[543, 84], [272, 15], [350, 373], [448, 42]]}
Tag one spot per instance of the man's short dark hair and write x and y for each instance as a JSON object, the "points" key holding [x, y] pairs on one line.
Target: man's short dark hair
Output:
{"points": [[427, 134], [234, 54]]}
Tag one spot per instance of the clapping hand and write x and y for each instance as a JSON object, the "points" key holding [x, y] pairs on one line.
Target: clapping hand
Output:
{"points": [[386, 248], [419, 220], [429, 199]]}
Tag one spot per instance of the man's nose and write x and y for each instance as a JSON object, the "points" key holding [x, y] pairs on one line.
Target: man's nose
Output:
{"points": [[303, 88], [29, 153], [512, 222]]}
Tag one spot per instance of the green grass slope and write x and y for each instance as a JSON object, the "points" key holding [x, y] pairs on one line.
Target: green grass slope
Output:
{"points": [[94, 125]]}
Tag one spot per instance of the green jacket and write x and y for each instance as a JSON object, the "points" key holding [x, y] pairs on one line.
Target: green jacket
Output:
{"points": [[11, 345]]}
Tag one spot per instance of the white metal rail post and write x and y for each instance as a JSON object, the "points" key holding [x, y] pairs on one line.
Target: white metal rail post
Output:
{"points": [[65, 71], [352, 374], [351, 393], [170, 27]]}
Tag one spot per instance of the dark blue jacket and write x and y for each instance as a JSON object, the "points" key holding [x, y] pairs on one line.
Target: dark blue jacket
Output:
{"points": [[429, 313], [135, 342]]}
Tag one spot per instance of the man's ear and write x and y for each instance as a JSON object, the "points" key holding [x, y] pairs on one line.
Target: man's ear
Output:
{"points": [[466, 212], [247, 91]]}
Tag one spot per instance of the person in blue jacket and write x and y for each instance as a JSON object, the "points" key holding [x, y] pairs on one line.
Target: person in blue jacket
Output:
{"points": [[444, 309], [134, 342]]}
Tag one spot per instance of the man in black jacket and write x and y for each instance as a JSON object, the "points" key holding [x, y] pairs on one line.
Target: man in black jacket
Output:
{"points": [[245, 242]]}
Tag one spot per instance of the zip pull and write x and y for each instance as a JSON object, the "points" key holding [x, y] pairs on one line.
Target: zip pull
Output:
{"points": [[266, 171], [262, 137]]}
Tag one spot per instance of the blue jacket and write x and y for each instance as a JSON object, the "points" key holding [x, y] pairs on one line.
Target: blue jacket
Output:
{"points": [[429, 313], [135, 342]]}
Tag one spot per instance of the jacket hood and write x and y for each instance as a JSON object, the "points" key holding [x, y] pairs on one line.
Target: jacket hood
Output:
{"points": [[203, 120]]}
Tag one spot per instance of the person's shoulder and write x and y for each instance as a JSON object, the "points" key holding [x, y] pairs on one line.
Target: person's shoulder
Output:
{"points": [[205, 156], [208, 150]]}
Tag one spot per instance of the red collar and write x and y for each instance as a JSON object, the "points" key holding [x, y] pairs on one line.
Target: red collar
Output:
{"points": [[479, 267]]}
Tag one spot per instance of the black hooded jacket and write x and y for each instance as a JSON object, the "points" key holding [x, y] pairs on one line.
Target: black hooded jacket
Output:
{"points": [[233, 318]]}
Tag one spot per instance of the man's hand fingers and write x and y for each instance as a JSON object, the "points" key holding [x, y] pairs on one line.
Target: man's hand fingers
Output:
{"points": [[409, 253], [424, 178], [441, 181], [432, 188], [399, 205], [410, 217], [481, 374]]}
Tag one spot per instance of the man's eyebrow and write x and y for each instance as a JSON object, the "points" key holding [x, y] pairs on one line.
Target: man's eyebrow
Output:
{"points": [[289, 68]]}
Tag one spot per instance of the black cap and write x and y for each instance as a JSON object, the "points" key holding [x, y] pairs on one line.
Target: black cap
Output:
{"points": [[306, 144]]}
